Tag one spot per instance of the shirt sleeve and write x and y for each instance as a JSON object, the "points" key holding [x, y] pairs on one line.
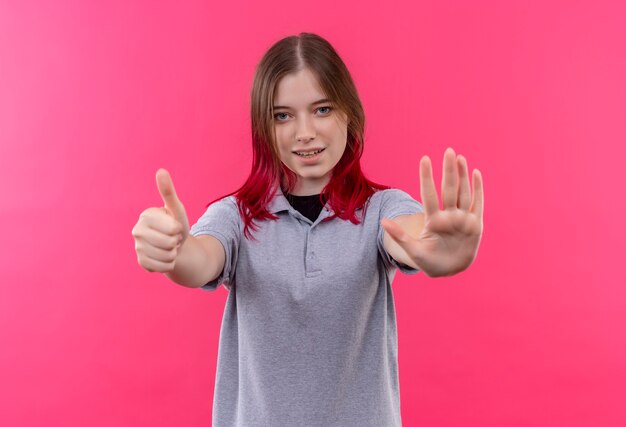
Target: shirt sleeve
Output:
{"points": [[395, 202], [222, 221]]}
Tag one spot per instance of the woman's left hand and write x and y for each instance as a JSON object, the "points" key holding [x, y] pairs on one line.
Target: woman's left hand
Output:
{"points": [[449, 238]]}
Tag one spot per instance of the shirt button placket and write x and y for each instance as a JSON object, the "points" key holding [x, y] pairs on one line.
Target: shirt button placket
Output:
{"points": [[312, 267]]}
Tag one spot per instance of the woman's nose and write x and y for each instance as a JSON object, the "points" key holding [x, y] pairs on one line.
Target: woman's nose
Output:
{"points": [[305, 130]]}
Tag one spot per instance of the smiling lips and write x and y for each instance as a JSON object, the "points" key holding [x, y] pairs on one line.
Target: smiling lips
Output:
{"points": [[309, 153], [309, 150]]}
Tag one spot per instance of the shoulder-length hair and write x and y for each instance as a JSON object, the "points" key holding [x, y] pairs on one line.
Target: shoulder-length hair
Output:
{"points": [[348, 189]]}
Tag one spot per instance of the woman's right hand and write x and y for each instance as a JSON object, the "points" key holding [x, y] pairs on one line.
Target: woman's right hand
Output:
{"points": [[161, 232]]}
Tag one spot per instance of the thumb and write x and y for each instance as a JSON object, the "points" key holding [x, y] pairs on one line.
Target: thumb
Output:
{"points": [[394, 230], [168, 193]]}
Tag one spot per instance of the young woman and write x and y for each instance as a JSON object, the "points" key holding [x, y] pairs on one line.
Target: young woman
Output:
{"points": [[308, 249]]}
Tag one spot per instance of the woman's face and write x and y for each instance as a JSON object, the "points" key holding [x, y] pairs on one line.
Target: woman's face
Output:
{"points": [[304, 123]]}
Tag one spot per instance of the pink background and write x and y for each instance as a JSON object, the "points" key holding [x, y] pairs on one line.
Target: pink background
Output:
{"points": [[94, 98]]}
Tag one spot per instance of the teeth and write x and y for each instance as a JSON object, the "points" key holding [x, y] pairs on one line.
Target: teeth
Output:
{"points": [[310, 154]]}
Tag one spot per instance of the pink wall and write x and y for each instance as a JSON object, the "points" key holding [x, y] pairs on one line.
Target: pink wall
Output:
{"points": [[94, 98]]}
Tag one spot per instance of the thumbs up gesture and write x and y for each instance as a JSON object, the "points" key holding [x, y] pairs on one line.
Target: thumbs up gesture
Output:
{"points": [[160, 232]]}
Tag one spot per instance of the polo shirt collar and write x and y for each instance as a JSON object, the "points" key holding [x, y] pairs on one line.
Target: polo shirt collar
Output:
{"points": [[280, 203]]}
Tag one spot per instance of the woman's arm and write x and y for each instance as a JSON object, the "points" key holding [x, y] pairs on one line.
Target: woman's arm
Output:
{"points": [[200, 260]]}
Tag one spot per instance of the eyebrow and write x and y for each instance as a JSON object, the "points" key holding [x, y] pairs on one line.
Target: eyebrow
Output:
{"points": [[321, 101]]}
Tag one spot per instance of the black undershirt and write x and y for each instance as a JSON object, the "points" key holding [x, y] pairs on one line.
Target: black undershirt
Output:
{"points": [[309, 206]]}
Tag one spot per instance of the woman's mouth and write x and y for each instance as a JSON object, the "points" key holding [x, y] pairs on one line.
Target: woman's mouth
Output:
{"points": [[309, 155]]}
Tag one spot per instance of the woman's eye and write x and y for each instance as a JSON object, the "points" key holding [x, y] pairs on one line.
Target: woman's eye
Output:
{"points": [[281, 117], [328, 109]]}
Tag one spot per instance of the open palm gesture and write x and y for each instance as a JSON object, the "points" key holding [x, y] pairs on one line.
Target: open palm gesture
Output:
{"points": [[442, 242]]}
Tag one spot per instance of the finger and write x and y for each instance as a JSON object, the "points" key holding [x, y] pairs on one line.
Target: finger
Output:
{"points": [[465, 196], [478, 201], [449, 181], [428, 192], [166, 187], [162, 221], [173, 205], [160, 254], [395, 230], [162, 240], [153, 265]]}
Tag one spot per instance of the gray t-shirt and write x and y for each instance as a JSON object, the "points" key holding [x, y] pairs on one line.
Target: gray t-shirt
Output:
{"points": [[308, 336]]}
